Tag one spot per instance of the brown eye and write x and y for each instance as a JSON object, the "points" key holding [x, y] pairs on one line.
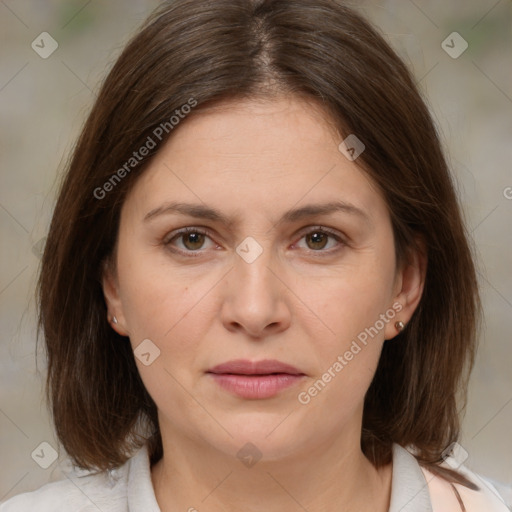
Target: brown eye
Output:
{"points": [[193, 240], [322, 241], [188, 241], [317, 239]]}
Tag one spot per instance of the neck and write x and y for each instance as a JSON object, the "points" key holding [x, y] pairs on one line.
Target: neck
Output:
{"points": [[335, 476]]}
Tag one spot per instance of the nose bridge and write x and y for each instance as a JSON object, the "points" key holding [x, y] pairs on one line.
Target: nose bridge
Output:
{"points": [[252, 267], [254, 296]]}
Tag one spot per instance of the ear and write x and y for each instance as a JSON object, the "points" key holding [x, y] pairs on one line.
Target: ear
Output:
{"points": [[111, 293], [409, 285]]}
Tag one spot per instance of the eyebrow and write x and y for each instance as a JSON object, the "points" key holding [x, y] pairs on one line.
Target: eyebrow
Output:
{"points": [[202, 211]]}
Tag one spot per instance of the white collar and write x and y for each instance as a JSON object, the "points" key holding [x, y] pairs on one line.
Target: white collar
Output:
{"points": [[409, 488], [140, 492]]}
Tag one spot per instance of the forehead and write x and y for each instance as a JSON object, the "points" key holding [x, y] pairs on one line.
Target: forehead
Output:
{"points": [[250, 126], [256, 155]]}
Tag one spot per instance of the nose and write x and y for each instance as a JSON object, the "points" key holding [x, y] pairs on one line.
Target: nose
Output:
{"points": [[256, 298]]}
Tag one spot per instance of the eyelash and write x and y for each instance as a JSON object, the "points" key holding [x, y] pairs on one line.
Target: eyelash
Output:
{"points": [[194, 254]]}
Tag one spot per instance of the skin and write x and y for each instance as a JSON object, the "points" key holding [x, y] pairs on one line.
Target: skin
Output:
{"points": [[302, 301]]}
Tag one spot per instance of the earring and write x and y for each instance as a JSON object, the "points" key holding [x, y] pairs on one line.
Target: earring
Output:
{"points": [[400, 326], [114, 319]]}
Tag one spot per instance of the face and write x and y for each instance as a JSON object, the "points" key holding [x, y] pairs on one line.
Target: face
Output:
{"points": [[253, 243]]}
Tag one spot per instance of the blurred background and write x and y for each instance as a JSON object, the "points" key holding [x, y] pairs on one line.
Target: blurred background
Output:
{"points": [[53, 55]]}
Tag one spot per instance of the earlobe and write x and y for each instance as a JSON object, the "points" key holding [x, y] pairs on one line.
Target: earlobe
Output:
{"points": [[111, 293], [411, 281]]}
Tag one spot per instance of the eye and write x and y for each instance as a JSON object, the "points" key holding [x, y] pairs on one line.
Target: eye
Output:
{"points": [[317, 239], [192, 239]]}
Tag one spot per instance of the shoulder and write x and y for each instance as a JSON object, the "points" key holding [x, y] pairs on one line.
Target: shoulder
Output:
{"points": [[445, 496], [77, 493], [416, 489]]}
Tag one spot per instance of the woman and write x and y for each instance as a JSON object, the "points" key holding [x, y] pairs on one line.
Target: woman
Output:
{"points": [[247, 293]]}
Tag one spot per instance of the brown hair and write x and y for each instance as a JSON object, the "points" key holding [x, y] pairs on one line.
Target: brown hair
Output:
{"points": [[194, 52]]}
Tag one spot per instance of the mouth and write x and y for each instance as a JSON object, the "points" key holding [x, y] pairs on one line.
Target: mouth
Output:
{"points": [[255, 380]]}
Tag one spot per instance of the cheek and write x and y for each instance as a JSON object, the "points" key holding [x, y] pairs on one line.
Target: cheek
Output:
{"points": [[351, 305], [350, 302], [164, 308], [347, 357], [335, 398], [155, 297], [172, 309]]}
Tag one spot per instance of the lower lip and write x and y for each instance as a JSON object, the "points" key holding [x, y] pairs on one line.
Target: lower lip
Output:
{"points": [[256, 386]]}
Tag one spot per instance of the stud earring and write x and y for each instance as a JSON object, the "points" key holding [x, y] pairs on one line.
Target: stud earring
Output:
{"points": [[114, 319], [400, 326]]}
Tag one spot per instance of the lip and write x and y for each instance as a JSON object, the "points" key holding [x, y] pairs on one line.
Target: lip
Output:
{"points": [[263, 367], [255, 379]]}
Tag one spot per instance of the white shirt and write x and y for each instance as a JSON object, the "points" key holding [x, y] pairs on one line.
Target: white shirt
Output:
{"points": [[130, 489]]}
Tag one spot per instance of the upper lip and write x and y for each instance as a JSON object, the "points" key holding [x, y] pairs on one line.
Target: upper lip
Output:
{"points": [[263, 367]]}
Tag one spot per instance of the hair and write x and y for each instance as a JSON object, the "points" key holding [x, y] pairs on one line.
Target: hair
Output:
{"points": [[202, 53]]}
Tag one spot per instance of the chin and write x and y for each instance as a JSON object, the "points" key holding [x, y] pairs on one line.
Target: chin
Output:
{"points": [[265, 436]]}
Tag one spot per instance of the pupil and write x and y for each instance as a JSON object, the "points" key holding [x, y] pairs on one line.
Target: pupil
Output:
{"points": [[318, 238], [194, 240]]}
